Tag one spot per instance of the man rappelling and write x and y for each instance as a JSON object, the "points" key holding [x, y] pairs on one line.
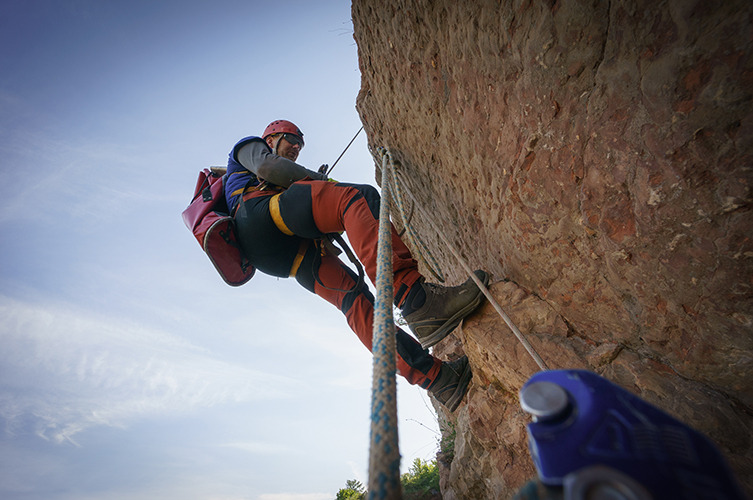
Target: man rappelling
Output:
{"points": [[283, 214]]}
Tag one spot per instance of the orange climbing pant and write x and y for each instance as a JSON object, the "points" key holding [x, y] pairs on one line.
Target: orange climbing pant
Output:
{"points": [[277, 232]]}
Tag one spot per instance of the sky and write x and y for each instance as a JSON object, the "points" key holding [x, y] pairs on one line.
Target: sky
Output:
{"points": [[128, 368]]}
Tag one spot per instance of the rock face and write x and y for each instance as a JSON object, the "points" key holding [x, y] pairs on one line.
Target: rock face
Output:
{"points": [[596, 158]]}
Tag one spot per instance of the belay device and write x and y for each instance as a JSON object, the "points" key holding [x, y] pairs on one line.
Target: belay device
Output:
{"points": [[591, 439], [208, 218]]}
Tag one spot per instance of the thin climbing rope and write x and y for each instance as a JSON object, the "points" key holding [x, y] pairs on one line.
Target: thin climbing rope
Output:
{"points": [[384, 452], [423, 254], [341, 154], [466, 268]]}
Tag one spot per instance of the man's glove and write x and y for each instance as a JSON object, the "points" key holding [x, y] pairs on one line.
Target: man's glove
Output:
{"points": [[323, 169]]}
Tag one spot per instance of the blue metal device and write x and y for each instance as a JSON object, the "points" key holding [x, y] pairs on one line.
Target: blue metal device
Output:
{"points": [[591, 439]]}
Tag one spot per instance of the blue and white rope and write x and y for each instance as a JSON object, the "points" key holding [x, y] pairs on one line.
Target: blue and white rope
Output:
{"points": [[384, 452]]}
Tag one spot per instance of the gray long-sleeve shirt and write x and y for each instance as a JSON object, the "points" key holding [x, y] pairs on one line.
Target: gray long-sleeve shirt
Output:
{"points": [[256, 157]]}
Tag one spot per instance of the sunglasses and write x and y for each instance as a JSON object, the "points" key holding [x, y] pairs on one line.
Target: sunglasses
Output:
{"points": [[293, 139]]}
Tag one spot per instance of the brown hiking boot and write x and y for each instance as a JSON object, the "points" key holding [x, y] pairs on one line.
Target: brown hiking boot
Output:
{"points": [[444, 309], [452, 382]]}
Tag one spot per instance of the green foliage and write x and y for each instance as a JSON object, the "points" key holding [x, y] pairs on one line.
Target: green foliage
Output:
{"points": [[447, 443], [353, 490], [421, 482]]}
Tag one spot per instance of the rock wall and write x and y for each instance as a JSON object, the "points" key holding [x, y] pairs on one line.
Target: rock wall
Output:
{"points": [[596, 157]]}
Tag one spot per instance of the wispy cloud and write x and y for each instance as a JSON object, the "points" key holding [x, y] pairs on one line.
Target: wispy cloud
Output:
{"points": [[66, 370], [264, 448], [75, 177]]}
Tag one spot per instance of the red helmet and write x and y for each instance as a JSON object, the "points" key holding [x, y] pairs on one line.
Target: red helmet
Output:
{"points": [[282, 126]]}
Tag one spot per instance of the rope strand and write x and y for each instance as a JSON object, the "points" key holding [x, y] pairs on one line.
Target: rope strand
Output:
{"points": [[384, 452], [423, 254], [341, 154], [467, 269]]}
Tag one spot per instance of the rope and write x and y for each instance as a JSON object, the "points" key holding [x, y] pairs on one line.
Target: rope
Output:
{"points": [[327, 172], [421, 250], [467, 269], [425, 254], [384, 452]]}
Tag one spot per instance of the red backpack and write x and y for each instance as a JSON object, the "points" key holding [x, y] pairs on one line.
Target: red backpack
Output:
{"points": [[208, 218]]}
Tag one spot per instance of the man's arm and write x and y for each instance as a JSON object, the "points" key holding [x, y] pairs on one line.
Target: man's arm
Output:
{"points": [[256, 157]]}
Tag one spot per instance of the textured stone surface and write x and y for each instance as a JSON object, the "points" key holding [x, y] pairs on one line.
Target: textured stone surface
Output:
{"points": [[598, 156]]}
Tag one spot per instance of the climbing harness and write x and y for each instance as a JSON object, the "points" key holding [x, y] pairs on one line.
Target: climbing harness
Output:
{"points": [[467, 269], [384, 452], [333, 238]]}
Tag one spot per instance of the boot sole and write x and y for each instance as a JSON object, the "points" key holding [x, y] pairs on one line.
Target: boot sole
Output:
{"points": [[452, 323], [465, 379]]}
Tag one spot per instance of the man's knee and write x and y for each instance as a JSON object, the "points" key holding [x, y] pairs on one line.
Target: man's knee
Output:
{"points": [[368, 193]]}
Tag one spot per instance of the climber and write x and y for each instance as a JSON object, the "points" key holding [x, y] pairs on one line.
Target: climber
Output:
{"points": [[283, 211]]}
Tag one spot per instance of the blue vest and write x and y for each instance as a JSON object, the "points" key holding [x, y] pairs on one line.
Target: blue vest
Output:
{"points": [[238, 178]]}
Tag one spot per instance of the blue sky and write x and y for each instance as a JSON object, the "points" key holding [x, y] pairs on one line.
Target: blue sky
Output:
{"points": [[128, 369]]}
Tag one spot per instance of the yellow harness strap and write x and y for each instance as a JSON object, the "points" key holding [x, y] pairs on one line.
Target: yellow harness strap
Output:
{"points": [[250, 189], [274, 210], [299, 257]]}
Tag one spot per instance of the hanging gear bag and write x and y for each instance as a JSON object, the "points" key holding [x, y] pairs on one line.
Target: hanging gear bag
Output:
{"points": [[208, 218]]}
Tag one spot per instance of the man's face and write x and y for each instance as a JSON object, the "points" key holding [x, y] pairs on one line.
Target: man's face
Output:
{"points": [[289, 146]]}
